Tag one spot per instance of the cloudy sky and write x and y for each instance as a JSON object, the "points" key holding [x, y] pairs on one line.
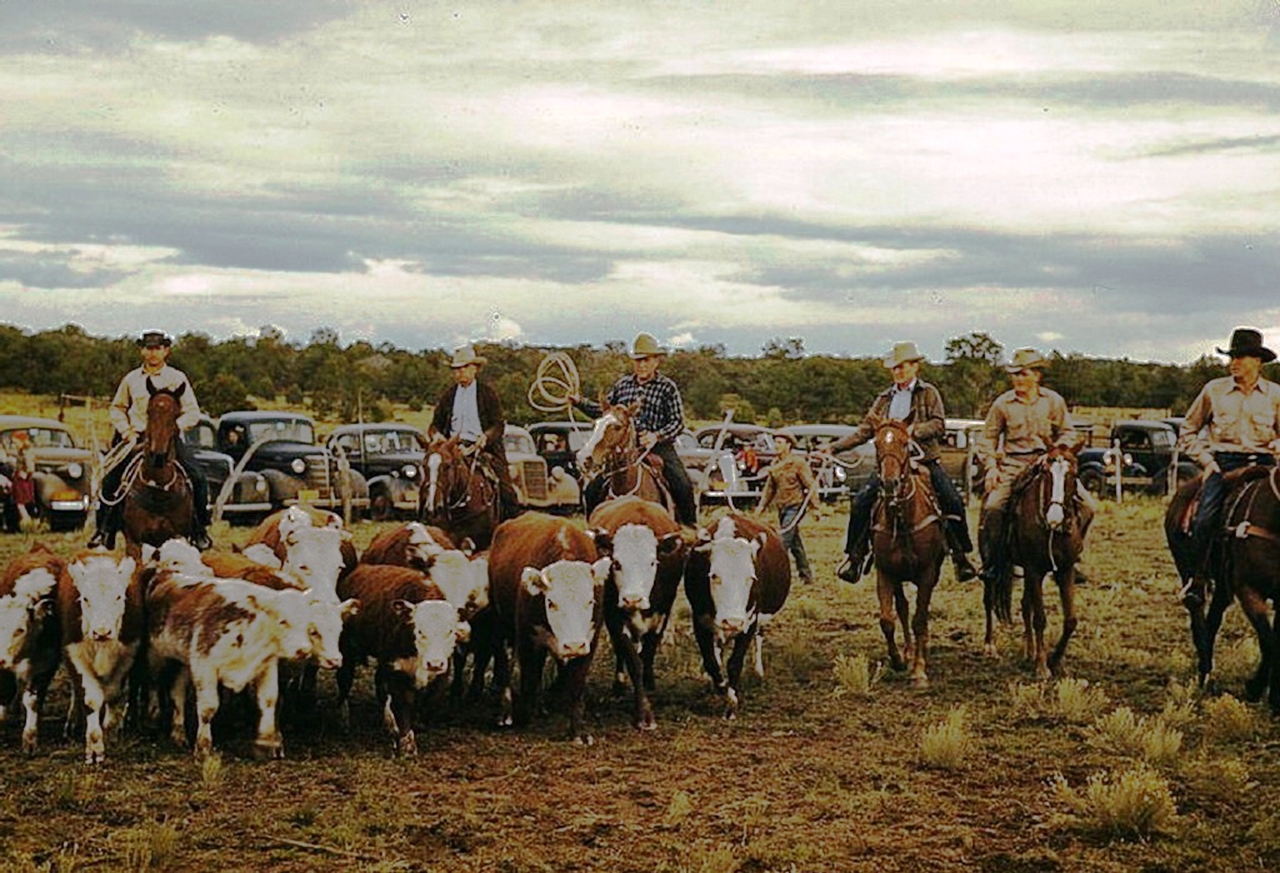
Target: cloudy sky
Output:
{"points": [[1089, 176]]}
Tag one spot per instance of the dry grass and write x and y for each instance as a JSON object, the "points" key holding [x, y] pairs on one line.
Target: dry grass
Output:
{"points": [[855, 676], [1135, 802], [1228, 720], [1120, 732], [946, 745], [1076, 702]]}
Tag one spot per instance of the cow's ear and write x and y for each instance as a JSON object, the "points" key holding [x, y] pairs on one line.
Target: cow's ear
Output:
{"points": [[349, 608], [670, 544], [703, 542], [148, 553], [467, 546], [462, 633], [603, 540], [757, 541], [403, 610], [534, 580], [600, 570]]}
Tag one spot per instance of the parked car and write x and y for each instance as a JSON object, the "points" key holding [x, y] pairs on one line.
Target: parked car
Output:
{"points": [[1145, 454], [739, 453], [248, 501], [389, 456], [281, 446], [61, 470], [551, 491], [558, 442]]}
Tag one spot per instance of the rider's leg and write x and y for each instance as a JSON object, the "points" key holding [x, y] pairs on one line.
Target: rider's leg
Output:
{"points": [[954, 522], [991, 526], [789, 530], [678, 482], [857, 536], [199, 496], [106, 517], [1208, 519], [508, 499]]}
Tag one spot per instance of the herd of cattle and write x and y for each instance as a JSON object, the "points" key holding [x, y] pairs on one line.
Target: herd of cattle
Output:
{"points": [[143, 635]]}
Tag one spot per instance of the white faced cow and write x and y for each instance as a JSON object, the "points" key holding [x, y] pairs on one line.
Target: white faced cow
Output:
{"points": [[310, 543], [30, 637], [736, 579]]}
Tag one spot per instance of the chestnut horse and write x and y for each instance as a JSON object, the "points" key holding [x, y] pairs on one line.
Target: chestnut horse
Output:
{"points": [[459, 493], [1045, 531], [612, 452], [158, 501], [907, 544]]}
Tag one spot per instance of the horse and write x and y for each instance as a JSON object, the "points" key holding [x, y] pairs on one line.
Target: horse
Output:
{"points": [[1045, 534], [1196, 586], [158, 502], [459, 493], [907, 544], [612, 452]]}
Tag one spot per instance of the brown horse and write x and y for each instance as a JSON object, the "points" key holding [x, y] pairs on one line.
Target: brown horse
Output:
{"points": [[459, 493], [1045, 534], [612, 453], [158, 501], [1196, 587], [908, 545]]}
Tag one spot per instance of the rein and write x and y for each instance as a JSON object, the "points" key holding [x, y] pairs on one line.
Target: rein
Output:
{"points": [[903, 497]]}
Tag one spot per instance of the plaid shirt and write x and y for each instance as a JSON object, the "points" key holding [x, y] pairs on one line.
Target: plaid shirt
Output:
{"points": [[661, 410]]}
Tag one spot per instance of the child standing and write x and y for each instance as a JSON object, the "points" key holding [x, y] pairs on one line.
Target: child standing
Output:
{"points": [[790, 484]]}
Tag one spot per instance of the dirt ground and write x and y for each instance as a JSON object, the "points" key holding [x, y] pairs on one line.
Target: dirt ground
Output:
{"points": [[813, 776]]}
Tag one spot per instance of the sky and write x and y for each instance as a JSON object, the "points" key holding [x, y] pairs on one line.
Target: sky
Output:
{"points": [[1093, 177]]}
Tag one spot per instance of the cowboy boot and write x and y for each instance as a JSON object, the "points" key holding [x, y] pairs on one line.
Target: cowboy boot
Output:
{"points": [[854, 564], [965, 571], [99, 538]]}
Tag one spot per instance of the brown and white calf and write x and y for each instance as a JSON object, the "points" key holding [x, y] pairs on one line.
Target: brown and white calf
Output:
{"points": [[409, 629], [30, 636], [647, 556], [737, 578], [310, 543], [546, 582], [100, 607], [411, 544], [230, 633]]}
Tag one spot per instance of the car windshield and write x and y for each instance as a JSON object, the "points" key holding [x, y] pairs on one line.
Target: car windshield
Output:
{"points": [[517, 442], [291, 429], [381, 442], [200, 436], [37, 437]]}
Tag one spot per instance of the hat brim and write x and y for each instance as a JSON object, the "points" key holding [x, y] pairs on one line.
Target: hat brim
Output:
{"points": [[890, 363], [640, 356], [1034, 365], [154, 344], [1261, 352], [478, 362]]}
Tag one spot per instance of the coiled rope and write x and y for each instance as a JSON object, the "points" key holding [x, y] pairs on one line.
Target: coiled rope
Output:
{"points": [[554, 383]]}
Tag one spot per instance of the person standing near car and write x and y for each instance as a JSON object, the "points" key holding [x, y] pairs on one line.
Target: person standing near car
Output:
{"points": [[129, 419], [908, 398], [789, 483], [658, 423], [470, 410]]}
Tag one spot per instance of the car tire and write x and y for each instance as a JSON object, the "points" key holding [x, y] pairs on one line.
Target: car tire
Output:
{"points": [[1093, 480]]}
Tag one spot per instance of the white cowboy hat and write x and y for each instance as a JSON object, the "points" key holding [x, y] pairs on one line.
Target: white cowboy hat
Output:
{"points": [[465, 356], [646, 346], [901, 354], [1026, 359]]}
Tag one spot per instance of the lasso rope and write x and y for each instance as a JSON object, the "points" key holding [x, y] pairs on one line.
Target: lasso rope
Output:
{"points": [[114, 456], [554, 383]]}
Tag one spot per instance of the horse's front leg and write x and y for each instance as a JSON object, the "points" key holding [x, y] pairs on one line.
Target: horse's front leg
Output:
{"points": [[924, 594], [1066, 579], [989, 607], [1218, 604], [1255, 609], [1033, 620], [888, 617]]}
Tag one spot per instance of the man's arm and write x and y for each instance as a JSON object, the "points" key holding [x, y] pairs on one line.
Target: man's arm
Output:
{"points": [[672, 414], [189, 411], [496, 425], [1190, 443], [119, 411], [933, 425], [1067, 435], [866, 429]]}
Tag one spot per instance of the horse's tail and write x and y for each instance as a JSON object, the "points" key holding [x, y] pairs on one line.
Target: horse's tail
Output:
{"points": [[1002, 595]]}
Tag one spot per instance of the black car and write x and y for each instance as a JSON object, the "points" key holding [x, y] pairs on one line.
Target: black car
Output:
{"points": [[281, 446], [248, 501], [389, 456]]}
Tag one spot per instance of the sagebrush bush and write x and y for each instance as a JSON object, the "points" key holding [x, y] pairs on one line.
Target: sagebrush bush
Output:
{"points": [[1136, 802], [1077, 703], [1121, 732], [1026, 700], [1227, 720], [855, 675], [1180, 703], [1215, 780], [946, 744]]}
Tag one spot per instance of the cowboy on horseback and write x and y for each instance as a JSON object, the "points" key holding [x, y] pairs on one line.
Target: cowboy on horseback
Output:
{"points": [[129, 419], [909, 397], [659, 421], [470, 410], [1021, 426], [1233, 423]]}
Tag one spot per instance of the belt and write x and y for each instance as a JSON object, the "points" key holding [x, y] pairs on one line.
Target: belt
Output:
{"points": [[1025, 454]]}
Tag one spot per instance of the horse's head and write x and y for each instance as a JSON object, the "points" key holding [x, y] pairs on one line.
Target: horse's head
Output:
{"points": [[444, 474], [162, 422], [1060, 469], [893, 453], [612, 440]]}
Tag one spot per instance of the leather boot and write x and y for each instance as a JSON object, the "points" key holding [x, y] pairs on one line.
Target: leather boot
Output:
{"points": [[956, 541], [854, 563]]}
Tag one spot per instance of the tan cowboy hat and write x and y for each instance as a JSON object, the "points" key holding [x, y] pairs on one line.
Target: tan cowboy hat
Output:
{"points": [[465, 356], [901, 354], [1026, 359], [1246, 342], [646, 346]]}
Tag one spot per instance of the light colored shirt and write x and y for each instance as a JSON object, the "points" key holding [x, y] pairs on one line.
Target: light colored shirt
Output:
{"points": [[464, 423], [129, 407], [1016, 426], [900, 401], [1235, 421]]}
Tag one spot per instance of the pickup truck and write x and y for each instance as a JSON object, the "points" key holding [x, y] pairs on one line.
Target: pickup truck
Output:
{"points": [[1146, 449]]}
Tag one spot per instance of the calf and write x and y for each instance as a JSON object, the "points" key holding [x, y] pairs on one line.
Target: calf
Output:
{"points": [[546, 583], [30, 637], [408, 627], [225, 632], [100, 607], [310, 543], [410, 545], [647, 557], [737, 577]]}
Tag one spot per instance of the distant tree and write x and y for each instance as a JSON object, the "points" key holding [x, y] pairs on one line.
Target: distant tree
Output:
{"points": [[972, 375], [790, 349], [223, 393]]}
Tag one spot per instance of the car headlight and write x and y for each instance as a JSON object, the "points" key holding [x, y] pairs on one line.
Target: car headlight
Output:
{"points": [[840, 474], [298, 466], [259, 485], [74, 470], [409, 471]]}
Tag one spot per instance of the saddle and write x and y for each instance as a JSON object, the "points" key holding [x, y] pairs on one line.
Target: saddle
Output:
{"points": [[1234, 481], [655, 461]]}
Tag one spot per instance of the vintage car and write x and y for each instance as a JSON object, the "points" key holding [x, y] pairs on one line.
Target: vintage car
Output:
{"points": [[61, 471], [738, 455], [248, 501], [834, 478], [1147, 450], [537, 487], [281, 446], [558, 442], [389, 456]]}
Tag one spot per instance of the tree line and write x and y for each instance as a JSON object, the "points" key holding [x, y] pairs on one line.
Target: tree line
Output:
{"points": [[362, 381]]}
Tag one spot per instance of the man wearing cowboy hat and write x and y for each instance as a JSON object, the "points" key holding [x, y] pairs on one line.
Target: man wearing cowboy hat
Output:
{"points": [[129, 419], [658, 423], [471, 411], [1021, 425], [908, 398], [1234, 422]]}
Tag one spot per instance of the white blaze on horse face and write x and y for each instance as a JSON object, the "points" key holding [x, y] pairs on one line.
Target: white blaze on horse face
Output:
{"points": [[635, 564], [102, 585], [733, 574], [569, 592], [436, 630], [1056, 512], [433, 479], [463, 580], [586, 453]]}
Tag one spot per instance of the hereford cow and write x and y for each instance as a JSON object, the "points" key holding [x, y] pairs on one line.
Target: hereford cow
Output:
{"points": [[408, 627], [547, 584], [100, 607], [30, 637], [230, 633], [737, 577], [410, 545], [308, 542], [647, 557]]}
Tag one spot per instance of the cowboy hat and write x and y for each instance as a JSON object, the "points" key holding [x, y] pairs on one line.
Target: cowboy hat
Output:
{"points": [[645, 346], [1246, 342], [154, 339], [1026, 359], [901, 354], [465, 356]]}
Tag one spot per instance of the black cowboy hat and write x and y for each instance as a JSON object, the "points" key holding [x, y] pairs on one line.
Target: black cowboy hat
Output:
{"points": [[1246, 342], [152, 339]]}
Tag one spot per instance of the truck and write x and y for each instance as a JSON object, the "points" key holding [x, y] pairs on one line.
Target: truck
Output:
{"points": [[1145, 451]]}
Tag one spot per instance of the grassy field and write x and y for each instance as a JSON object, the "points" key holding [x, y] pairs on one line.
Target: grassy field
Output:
{"points": [[834, 764]]}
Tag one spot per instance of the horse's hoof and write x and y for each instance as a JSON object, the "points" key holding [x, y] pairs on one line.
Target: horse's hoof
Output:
{"points": [[991, 651], [647, 722], [897, 664]]}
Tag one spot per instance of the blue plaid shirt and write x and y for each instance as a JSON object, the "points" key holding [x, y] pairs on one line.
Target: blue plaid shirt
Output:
{"points": [[661, 410]]}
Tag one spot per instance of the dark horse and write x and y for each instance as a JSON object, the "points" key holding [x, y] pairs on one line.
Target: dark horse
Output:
{"points": [[1196, 586], [1045, 530], [459, 492], [158, 501], [908, 545], [1252, 565], [611, 452]]}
